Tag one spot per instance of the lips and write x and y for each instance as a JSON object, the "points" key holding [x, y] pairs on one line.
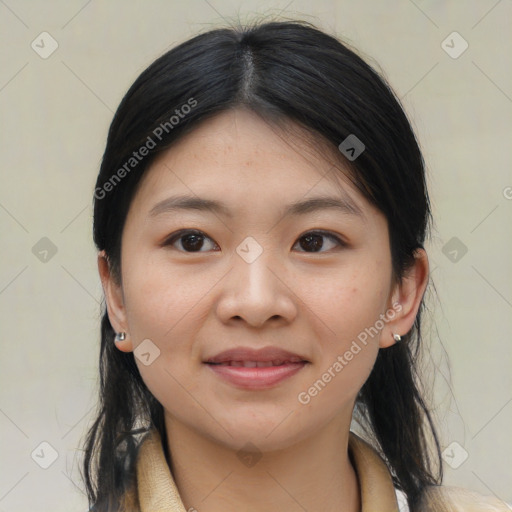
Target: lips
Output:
{"points": [[255, 364], [250, 358], [256, 370]]}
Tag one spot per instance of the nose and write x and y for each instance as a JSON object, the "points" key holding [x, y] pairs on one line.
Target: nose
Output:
{"points": [[257, 292]]}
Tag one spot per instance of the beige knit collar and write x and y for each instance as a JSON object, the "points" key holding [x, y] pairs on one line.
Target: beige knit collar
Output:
{"points": [[156, 491]]}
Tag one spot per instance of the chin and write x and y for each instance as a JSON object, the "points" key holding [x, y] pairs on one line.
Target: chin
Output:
{"points": [[273, 432]]}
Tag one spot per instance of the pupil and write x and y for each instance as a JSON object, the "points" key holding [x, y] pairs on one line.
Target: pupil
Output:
{"points": [[196, 242], [313, 241]]}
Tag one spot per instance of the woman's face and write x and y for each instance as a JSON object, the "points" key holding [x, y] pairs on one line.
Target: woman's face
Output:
{"points": [[255, 275]]}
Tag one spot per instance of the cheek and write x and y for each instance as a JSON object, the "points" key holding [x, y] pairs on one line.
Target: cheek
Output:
{"points": [[347, 308], [159, 300], [165, 308], [349, 301]]}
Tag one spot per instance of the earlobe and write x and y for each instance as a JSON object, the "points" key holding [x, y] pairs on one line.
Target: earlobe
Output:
{"points": [[408, 294], [115, 304], [123, 342]]}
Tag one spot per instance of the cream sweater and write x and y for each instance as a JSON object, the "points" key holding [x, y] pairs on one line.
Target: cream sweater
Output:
{"points": [[154, 489]]}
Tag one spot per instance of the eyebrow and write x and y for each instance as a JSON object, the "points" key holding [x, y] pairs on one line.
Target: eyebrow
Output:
{"points": [[185, 202]]}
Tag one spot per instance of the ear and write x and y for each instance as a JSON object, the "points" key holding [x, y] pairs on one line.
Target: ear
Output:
{"points": [[406, 298], [115, 302]]}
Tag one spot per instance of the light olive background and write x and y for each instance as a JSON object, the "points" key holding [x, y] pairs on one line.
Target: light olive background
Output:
{"points": [[55, 113]]}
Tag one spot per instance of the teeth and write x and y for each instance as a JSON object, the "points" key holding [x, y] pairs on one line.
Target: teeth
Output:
{"points": [[252, 364]]}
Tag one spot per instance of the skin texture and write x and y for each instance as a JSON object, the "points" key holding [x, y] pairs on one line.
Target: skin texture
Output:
{"points": [[193, 305]]}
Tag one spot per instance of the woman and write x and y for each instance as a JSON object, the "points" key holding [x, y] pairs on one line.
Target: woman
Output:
{"points": [[260, 213]]}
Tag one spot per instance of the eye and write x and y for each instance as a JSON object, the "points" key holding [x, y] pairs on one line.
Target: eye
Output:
{"points": [[313, 241], [191, 240]]}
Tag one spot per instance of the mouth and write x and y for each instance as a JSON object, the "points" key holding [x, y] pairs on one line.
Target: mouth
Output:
{"points": [[252, 358], [256, 369], [258, 364]]}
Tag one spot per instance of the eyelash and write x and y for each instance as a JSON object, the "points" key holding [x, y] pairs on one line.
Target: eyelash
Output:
{"points": [[182, 233]]}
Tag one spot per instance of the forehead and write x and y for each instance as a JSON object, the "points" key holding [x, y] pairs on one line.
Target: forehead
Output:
{"points": [[243, 160]]}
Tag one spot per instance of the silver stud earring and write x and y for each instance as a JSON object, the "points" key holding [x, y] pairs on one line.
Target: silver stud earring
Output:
{"points": [[120, 336], [397, 337]]}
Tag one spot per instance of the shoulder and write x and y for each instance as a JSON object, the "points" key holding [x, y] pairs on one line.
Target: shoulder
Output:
{"points": [[456, 499]]}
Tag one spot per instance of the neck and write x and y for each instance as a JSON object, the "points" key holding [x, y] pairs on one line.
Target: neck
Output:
{"points": [[315, 474]]}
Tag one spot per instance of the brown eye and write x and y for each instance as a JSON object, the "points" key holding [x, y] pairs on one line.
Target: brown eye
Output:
{"points": [[194, 241], [190, 240], [314, 241]]}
